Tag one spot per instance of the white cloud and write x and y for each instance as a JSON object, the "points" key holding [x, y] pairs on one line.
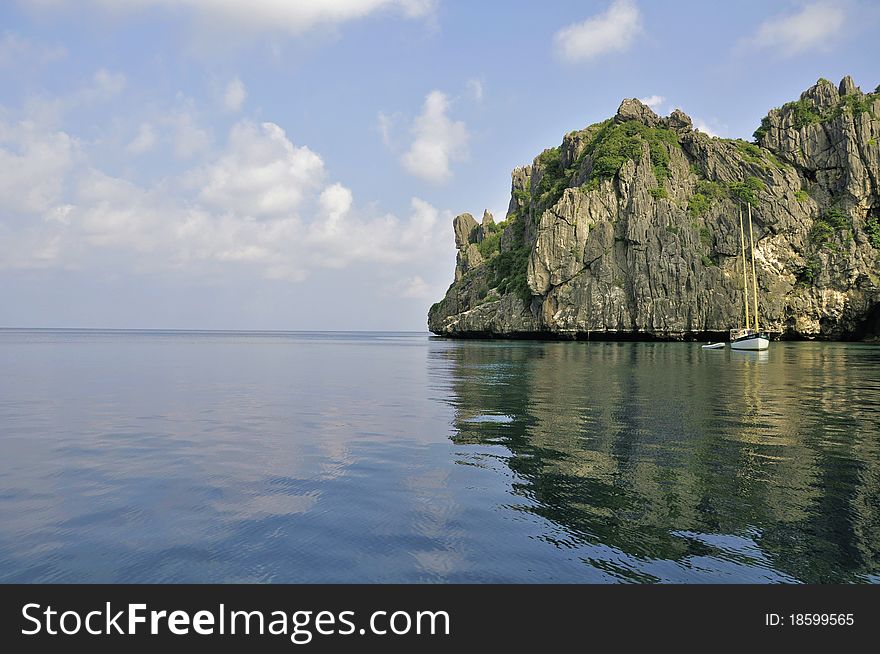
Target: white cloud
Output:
{"points": [[261, 173], [814, 27], [17, 51], [190, 138], [417, 8], [234, 96], [108, 212], [611, 31], [292, 17], [475, 87], [438, 141], [386, 124], [653, 101], [101, 88], [34, 165], [261, 204], [703, 126], [144, 140], [413, 287], [107, 84]]}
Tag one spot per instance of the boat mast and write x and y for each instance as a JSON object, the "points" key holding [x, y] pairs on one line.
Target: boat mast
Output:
{"points": [[742, 242], [754, 274]]}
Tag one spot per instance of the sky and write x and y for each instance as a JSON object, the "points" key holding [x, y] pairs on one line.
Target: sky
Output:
{"points": [[217, 164]]}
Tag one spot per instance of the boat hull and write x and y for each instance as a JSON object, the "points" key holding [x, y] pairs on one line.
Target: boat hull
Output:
{"points": [[752, 342]]}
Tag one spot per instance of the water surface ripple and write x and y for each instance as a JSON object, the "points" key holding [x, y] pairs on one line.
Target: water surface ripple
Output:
{"points": [[396, 457]]}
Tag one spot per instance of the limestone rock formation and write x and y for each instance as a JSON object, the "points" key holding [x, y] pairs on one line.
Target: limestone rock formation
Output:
{"points": [[630, 229]]}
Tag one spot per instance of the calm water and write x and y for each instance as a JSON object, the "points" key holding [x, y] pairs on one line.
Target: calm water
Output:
{"points": [[309, 457]]}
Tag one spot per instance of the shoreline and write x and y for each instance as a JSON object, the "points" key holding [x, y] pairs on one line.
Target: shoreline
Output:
{"points": [[641, 337]]}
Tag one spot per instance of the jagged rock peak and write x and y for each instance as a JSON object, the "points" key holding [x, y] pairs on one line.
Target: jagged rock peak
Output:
{"points": [[679, 121], [463, 225], [488, 218], [823, 93], [848, 86], [632, 109]]}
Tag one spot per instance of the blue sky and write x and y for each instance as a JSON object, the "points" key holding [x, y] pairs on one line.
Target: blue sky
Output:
{"points": [[296, 165]]}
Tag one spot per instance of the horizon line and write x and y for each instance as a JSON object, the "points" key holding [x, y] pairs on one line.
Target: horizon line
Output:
{"points": [[215, 330]]}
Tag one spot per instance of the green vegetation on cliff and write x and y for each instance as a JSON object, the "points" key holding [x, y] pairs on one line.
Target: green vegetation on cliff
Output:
{"points": [[872, 229], [762, 130], [747, 190], [698, 205], [509, 268], [616, 143], [805, 111], [491, 243], [832, 226], [658, 193], [756, 155], [706, 193], [554, 178], [828, 225], [611, 145]]}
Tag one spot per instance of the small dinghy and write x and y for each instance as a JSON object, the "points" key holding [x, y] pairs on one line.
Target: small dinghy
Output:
{"points": [[714, 346]]}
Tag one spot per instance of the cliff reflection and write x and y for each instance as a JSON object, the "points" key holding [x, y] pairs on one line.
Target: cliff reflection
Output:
{"points": [[665, 452]]}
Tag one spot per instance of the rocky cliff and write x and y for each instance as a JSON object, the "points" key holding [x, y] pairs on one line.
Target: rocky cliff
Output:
{"points": [[630, 229]]}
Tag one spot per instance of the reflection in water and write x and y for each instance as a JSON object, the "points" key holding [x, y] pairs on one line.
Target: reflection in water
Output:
{"points": [[308, 457], [665, 461]]}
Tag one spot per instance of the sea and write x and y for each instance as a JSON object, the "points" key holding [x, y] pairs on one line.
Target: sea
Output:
{"points": [[186, 456]]}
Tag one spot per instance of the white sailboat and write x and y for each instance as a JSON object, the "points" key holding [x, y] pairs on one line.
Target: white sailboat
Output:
{"points": [[747, 338]]}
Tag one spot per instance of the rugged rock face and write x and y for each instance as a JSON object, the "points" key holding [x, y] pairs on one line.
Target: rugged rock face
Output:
{"points": [[630, 228]]}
